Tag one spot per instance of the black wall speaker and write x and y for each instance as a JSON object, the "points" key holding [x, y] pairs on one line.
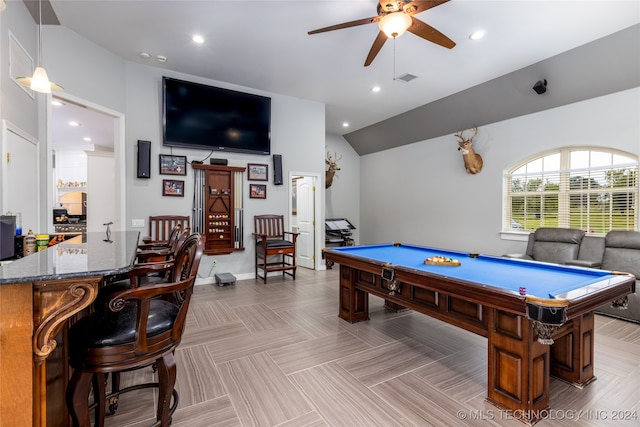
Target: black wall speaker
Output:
{"points": [[144, 159], [222, 162], [540, 87], [277, 169]]}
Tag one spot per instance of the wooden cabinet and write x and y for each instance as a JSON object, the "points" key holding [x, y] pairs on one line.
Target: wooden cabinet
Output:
{"points": [[220, 208]]}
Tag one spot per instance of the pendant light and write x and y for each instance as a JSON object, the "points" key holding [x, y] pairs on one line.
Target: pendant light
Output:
{"points": [[39, 82]]}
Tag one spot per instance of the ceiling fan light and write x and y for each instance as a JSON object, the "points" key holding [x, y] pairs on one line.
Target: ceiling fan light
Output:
{"points": [[395, 24]]}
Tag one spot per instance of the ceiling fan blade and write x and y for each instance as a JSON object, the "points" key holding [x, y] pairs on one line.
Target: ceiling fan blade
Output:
{"points": [[346, 25], [377, 45], [427, 32], [421, 6]]}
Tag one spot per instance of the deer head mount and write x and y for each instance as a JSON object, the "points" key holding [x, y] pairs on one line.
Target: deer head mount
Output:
{"points": [[332, 162], [472, 160]]}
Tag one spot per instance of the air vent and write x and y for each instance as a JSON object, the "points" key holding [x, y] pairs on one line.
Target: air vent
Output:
{"points": [[406, 78]]}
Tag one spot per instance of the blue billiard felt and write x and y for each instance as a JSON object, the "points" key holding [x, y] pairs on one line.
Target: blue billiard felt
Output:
{"points": [[540, 279]]}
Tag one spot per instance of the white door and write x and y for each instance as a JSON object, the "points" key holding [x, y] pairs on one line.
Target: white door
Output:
{"points": [[305, 208], [20, 179]]}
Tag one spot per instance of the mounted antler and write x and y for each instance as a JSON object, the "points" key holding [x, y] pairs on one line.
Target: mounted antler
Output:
{"points": [[333, 168], [472, 160]]}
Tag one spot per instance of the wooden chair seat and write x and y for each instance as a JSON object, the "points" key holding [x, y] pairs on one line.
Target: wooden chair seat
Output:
{"points": [[275, 248], [277, 243]]}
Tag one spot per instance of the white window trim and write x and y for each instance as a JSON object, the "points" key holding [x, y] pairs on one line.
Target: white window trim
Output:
{"points": [[516, 235]]}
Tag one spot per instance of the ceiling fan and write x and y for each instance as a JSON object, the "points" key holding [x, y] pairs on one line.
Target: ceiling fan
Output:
{"points": [[394, 18]]}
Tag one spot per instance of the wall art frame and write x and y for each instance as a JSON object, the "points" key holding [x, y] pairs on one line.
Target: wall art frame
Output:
{"points": [[257, 191], [257, 172], [173, 188], [173, 165]]}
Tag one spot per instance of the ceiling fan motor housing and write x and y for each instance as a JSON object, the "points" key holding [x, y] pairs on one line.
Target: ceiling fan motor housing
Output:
{"points": [[405, 6]]}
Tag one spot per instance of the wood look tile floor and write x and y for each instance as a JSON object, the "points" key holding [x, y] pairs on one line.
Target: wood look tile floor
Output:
{"points": [[278, 355]]}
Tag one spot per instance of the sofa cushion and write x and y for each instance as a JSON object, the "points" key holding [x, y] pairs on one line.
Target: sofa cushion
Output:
{"points": [[556, 245], [555, 252], [561, 235], [591, 250]]}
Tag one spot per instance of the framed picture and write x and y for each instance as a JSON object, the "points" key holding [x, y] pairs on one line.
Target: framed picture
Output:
{"points": [[173, 165], [257, 191], [257, 172], [172, 187]]}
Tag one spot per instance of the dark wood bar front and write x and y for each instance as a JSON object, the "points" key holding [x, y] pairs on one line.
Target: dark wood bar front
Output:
{"points": [[38, 295]]}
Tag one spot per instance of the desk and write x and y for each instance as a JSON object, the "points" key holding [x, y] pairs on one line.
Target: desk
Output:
{"points": [[482, 295], [38, 294]]}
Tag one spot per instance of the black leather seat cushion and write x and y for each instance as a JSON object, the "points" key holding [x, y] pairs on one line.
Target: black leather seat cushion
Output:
{"points": [[106, 328], [277, 243]]}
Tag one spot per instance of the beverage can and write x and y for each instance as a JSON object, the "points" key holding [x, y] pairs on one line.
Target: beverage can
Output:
{"points": [[42, 242]]}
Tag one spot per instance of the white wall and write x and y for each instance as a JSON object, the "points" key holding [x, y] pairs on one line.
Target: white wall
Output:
{"points": [[297, 132], [342, 199], [421, 193], [17, 107], [418, 193], [91, 73], [84, 69]]}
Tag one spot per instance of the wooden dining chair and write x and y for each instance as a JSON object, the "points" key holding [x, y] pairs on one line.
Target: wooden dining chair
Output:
{"points": [[161, 226], [275, 248]]}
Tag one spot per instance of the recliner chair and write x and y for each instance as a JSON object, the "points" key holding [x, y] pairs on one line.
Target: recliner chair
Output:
{"points": [[622, 253], [557, 245]]}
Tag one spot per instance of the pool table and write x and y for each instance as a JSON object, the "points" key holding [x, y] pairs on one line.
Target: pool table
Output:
{"points": [[538, 317]]}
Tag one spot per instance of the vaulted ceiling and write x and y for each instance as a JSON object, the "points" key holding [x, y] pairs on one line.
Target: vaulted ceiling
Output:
{"points": [[264, 45]]}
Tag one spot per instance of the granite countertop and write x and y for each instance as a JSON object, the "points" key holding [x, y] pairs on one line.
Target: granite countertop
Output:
{"points": [[81, 256]]}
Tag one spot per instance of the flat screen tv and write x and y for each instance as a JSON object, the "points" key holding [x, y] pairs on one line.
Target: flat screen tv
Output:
{"points": [[212, 118]]}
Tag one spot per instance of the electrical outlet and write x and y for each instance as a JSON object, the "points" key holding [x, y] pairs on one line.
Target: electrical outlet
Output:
{"points": [[137, 223]]}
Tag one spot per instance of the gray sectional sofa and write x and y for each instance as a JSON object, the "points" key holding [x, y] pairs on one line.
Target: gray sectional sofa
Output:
{"points": [[617, 251]]}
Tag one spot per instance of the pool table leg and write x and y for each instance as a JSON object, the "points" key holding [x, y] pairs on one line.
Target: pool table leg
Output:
{"points": [[354, 303], [518, 371], [573, 350]]}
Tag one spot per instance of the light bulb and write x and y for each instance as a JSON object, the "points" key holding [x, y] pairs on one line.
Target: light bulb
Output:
{"points": [[395, 24]]}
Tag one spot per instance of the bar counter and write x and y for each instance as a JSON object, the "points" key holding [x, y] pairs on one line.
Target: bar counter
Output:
{"points": [[38, 295]]}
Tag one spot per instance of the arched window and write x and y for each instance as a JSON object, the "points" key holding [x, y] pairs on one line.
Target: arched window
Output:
{"points": [[593, 189]]}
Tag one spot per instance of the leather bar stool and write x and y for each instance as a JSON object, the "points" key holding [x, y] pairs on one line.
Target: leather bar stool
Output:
{"points": [[153, 267], [141, 327]]}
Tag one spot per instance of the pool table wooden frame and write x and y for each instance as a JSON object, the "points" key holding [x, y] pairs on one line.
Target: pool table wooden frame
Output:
{"points": [[519, 367]]}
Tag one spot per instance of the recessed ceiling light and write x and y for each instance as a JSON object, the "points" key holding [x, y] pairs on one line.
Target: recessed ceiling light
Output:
{"points": [[198, 39], [75, 124], [375, 89], [161, 58], [144, 55], [477, 35], [86, 138], [345, 124], [57, 103]]}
